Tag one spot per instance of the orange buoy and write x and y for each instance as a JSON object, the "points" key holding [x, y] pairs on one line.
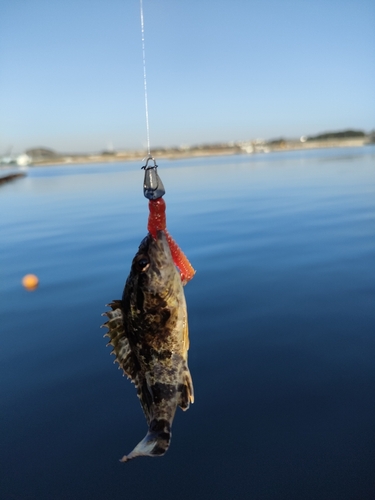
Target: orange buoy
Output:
{"points": [[30, 281]]}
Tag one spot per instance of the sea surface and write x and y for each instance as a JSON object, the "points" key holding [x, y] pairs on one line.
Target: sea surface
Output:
{"points": [[282, 330]]}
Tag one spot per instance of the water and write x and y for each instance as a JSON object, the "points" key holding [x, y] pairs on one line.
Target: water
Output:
{"points": [[281, 325]]}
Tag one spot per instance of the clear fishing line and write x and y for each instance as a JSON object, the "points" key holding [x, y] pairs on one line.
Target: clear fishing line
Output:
{"points": [[145, 78]]}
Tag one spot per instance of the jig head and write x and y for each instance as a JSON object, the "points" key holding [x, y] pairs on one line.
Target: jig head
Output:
{"points": [[153, 187]]}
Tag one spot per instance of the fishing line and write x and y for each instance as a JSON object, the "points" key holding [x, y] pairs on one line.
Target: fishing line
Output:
{"points": [[153, 187], [145, 78]]}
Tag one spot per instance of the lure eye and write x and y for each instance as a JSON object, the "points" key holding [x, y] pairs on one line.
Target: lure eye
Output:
{"points": [[143, 263]]}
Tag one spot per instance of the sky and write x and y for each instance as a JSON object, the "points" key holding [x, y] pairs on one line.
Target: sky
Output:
{"points": [[71, 72]]}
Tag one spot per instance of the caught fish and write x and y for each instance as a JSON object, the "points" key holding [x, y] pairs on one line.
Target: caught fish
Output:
{"points": [[148, 330]]}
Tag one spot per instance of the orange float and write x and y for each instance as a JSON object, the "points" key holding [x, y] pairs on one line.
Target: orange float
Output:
{"points": [[30, 282]]}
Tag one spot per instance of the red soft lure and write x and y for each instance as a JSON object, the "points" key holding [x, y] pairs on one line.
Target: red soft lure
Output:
{"points": [[157, 222]]}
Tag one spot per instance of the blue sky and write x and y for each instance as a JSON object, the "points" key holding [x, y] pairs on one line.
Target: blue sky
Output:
{"points": [[71, 75]]}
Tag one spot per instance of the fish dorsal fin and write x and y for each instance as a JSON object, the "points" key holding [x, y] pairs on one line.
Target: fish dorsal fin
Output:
{"points": [[120, 343], [125, 356]]}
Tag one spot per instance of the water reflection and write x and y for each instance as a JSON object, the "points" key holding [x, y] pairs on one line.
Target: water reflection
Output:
{"points": [[281, 319]]}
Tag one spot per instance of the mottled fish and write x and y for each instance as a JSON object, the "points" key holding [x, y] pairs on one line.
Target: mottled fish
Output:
{"points": [[148, 330]]}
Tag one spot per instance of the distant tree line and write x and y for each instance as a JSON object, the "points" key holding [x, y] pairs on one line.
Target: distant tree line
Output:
{"points": [[345, 134]]}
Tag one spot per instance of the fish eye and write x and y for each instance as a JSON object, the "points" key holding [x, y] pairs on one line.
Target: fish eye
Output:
{"points": [[142, 263]]}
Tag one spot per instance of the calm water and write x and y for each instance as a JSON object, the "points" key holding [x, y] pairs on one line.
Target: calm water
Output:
{"points": [[281, 310]]}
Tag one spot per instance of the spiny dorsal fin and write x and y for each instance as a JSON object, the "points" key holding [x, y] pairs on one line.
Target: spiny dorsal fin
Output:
{"points": [[124, 354], [120, 343]]}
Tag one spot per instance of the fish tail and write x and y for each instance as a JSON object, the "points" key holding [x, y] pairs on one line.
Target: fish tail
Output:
{"points": [[155, 443]]}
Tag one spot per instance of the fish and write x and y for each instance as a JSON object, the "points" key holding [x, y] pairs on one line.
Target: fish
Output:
{"points": [[148, 330]]}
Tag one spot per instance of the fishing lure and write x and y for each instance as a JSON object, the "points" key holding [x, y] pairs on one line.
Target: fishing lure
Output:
{"points": [[157, 222], [153, 189]]}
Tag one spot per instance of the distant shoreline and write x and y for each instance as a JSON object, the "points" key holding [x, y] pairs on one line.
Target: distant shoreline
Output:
{"points": [[254, 147]]}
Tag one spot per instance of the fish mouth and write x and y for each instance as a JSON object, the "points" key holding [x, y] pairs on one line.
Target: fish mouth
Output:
{"points": [[162, 242], [159, 247], [159, 254]]}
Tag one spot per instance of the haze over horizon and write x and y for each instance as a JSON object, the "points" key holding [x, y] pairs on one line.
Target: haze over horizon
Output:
{"points": [[71, 76]]}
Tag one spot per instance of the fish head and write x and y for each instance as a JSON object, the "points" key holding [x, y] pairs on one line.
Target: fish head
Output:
{"points": [[153, 267]]}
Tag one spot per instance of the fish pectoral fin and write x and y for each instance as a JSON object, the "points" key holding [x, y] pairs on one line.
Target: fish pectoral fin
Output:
{"points": [[120, 343], [186, 334], [187, 391]]}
